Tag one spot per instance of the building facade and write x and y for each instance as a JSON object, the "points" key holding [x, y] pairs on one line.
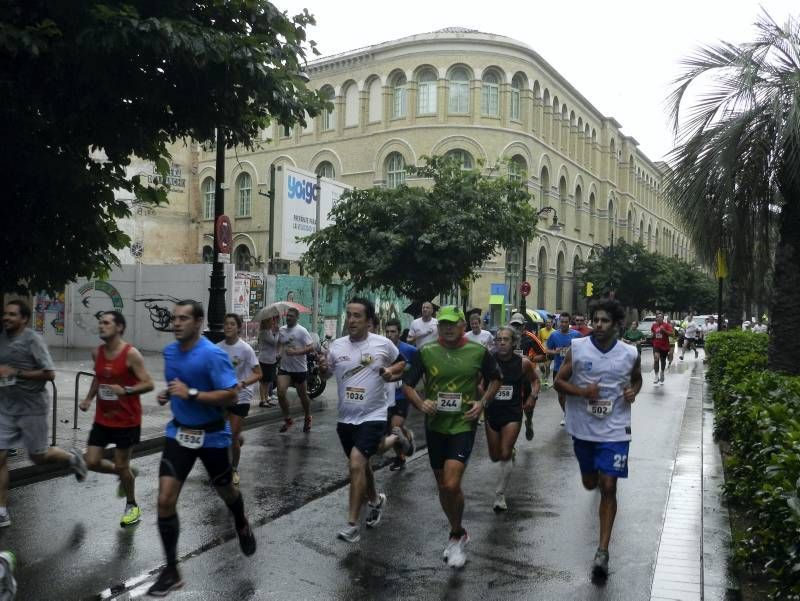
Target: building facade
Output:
{"points": [[482, 98]]}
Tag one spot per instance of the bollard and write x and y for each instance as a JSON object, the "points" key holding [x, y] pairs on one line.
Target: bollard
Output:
{"points": [[75, 410]]}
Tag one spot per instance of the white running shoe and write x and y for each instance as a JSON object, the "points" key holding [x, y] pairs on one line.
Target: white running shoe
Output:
{"points": [[662, 377], [655, 381], [5, 519], [376, 511], [563, 423], [349, 534], [500, 502], [78, 465], [457, 557]]}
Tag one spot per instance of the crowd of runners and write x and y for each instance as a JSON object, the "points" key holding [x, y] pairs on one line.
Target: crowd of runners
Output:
{"points": [[449, 368]]}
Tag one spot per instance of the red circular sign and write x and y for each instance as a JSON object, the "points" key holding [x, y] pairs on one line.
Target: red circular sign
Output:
{"points": [[224, 234], [525, 288]]}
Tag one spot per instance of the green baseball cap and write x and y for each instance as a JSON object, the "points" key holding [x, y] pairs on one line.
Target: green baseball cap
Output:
{"points": [[450, 313]]}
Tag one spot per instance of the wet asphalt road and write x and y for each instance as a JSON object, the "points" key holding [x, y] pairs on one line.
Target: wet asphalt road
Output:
{"points": [[70, 545]]}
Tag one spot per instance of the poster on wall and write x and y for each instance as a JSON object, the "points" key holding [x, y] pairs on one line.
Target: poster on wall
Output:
{"points": [[248, 298], [241, 295], [49, 313]]}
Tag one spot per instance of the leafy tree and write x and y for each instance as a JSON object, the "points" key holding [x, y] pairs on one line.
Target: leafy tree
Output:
{"points": [[736, 170], [123, 79], [421, 242]]}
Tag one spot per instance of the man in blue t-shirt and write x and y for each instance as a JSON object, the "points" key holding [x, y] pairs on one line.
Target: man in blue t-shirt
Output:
{"points": [[201, 385], [399, 411], [558, 344]]}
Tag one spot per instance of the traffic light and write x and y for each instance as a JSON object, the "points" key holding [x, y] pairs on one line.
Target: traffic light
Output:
{"points": [[589, 289]]}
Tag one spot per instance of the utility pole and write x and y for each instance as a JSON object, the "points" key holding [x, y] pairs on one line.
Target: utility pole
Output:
{"points": [[216, 293]]}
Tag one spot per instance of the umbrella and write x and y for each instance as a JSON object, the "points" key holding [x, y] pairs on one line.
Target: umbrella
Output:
{"points": [[544, 313], [415, 309], [534, 316], [279, 308]]}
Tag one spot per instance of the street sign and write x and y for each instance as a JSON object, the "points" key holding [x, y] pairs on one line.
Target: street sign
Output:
{"points": [[224, 234], [525, 288]]}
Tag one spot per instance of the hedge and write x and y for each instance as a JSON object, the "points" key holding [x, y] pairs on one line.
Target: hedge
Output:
{"points": [[757, 415]]}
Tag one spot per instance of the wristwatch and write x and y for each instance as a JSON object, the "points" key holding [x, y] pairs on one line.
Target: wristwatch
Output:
{"points": [[128, 390], [193, 392]]}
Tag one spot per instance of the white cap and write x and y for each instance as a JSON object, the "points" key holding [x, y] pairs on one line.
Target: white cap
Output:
{"points": [[517, 318]]}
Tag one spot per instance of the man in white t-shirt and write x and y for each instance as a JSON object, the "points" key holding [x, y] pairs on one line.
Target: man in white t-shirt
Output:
{"points": [[691, 333], [248, 372], [360, 361], [295, 343], [423, 329], [477, 334]]}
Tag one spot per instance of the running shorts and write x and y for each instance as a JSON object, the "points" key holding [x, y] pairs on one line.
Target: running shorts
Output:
{"points": [[366, 437], [178, 461], [442, 447], [122, 438], [609, 458], [240, 409], [498, 415], [268, 371], [29, 431], [297, 377]]}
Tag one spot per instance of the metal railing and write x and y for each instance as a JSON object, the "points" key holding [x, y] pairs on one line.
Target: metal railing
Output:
{"points": [[55, 412], [77, 383]]}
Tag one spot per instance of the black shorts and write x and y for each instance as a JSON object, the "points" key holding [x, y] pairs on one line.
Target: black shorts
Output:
{"points": [[178, 461], [498, 415], [240, 409], [268, 371], [400, 408], [366, 437], [442, 447], [123, 438], [298, 377]]}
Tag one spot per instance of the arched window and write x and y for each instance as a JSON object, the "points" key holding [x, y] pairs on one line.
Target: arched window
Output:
{"points": [[241, 258], [462, 156], [208, 198], [375, 100], [517, 168], [399, 96], [544, 179], [244, 190], [325, 169], [541, 279], [351, 105], [208, 254], [426, 93], [592, 213], [560, 282], [578, 208], [490, 95], [458, 101], [395, 170], [562, 209], [329, 116], [516, 86]]}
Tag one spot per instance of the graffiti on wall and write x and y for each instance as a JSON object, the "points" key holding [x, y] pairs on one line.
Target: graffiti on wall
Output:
{"points": [[159, 310], [49, 309], [96, 297]]}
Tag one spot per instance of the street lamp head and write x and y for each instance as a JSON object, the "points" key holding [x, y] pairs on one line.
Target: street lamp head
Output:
{"points": [[554, 226]]}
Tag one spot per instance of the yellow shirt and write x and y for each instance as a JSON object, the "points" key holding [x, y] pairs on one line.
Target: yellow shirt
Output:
{"points": [[544, 334]]}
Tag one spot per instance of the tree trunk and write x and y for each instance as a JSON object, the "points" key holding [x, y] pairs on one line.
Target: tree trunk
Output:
{"points": [[784, 341], [733, 302]]}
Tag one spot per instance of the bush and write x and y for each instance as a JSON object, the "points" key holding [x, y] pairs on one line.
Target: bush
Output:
{"points": [[757, 412]]}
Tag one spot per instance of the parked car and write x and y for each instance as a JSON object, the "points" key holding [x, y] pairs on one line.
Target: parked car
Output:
{"points": [[645, 325]]}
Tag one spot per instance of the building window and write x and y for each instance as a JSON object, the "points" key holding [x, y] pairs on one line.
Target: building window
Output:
{"points": [[242, 258], [517, 168], [208, 254], [462, 156], [208, 198], [395, 170], [286, 131], [375, 100], [328, 117], [490, 95], [244, 186], [399, 96], [426, 93], [325, 169], [516, 86], [459, 91]]}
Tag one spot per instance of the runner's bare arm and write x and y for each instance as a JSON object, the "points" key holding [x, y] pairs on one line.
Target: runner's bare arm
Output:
{"points": [[631, 391], [136, 365], [394, 372], [255, 377], [530, 370], [87, 402]]}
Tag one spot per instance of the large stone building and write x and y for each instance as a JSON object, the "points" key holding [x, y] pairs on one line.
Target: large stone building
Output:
{"points": [[479, 97]]}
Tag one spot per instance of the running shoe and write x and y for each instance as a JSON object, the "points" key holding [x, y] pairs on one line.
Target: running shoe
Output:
{"points": [[168, 580], [499, 502], [287, 423], [529, 429], [405, 444], [5, 519], [681, 357], [411, 446], [397, 464], [452, 542], [12, 452], [563, 423], [236, 478], [307, 424], [264, 404], [376, 511], [131, 516], [120, 488], [78, 465], [545, 386], [247, 540], [349, 534], [655, 381], [662, 377], [457, 557], [600, 565]]}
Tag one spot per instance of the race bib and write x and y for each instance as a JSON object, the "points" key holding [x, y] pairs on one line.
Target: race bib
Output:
{"points": [[600, 408], [191, 439], [659, 335], [504, 393], [449, 402], [8, 381], [353, 394], [104, 393], [563, 351]]}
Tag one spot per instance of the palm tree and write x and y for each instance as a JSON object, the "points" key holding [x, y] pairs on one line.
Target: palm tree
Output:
{"points": [[736, 171]]}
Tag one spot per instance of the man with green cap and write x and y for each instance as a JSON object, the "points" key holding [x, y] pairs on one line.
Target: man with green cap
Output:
{"points": [[452, 368]]}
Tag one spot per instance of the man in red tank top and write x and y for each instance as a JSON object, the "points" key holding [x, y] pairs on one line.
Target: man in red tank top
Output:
{"points": [[120, 377]]}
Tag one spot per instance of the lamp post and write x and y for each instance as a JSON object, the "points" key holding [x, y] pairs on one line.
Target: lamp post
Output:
{"points": [[216, 291], [553, 227]]}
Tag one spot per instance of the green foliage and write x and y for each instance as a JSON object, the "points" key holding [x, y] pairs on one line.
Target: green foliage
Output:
{"points": [[125, 79], [421, 242], [757, 412], [646, 280]]}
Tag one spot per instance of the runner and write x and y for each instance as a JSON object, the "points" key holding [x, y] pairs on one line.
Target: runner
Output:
{"points": [[634, 336], [202, 384], [519, 390], [398, 412], [601, 379], [423, 329], [580, 325], [360, 363], [531, 347], [452, 367], [662, 330], [295, 344], [120, 378], [544, 334], [477, 334], [558, 344], [25, 366], [690, 334], [268, 358], [248, 372]]}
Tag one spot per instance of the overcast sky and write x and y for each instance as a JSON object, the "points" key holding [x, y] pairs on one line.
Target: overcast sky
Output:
{"points": [[620, 54]]}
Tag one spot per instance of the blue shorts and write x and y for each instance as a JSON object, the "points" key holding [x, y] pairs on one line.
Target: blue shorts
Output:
{"points": [[610, 458]]}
